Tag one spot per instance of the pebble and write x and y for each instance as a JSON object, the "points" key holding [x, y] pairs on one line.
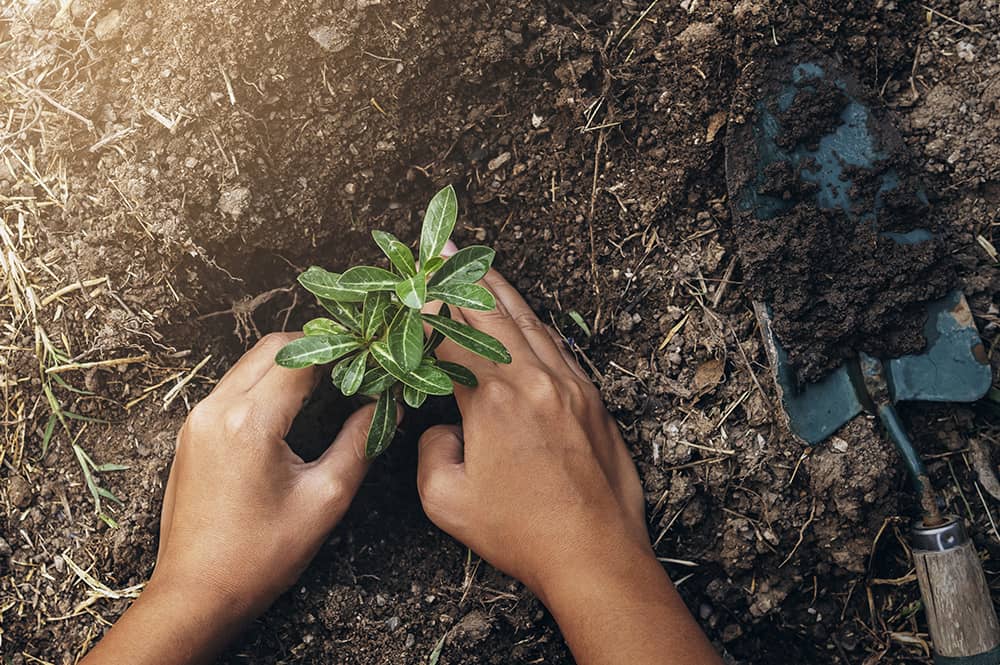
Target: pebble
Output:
{"points": [[410, 640], [393, 623], [19, 492], [5, 548], [473, 628]]}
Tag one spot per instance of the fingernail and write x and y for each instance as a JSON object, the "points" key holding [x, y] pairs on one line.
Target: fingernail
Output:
{"points": [[449, 248]]}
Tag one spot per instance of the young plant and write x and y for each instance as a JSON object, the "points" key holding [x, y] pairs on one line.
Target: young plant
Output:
{"points": [[375, 332]]}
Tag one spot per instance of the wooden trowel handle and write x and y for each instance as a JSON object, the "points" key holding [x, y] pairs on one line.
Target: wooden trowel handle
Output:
{"points": [[960, 613]]}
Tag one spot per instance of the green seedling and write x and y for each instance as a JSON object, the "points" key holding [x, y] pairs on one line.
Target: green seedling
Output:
{"points": [[376, 333]]}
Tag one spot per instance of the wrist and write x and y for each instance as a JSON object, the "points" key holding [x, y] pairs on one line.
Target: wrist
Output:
{"points": [[170, 622], [622, 573]]}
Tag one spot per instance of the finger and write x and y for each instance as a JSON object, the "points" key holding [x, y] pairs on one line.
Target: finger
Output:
{"points": [[451, 352], [566, 354], [440, 470], [281, 393], [513, 310], [254, 364], [343, 465]]}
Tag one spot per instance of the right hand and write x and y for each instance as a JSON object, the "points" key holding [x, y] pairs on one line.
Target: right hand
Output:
{"points": [[537, 480]]}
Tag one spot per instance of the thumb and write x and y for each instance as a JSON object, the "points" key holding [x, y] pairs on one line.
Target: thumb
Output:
{"points": [[343, 466], [440, 467]]}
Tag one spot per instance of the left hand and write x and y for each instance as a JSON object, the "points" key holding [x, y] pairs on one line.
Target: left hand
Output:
{"points": [[242, 514]]}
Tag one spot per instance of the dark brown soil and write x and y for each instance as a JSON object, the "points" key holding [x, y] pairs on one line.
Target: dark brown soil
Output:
{"points": [[586, 142], [835, 283]]}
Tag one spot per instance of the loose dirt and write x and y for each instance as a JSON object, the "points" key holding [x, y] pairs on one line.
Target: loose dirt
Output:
{"points": [[836, 282], [198, 155]]}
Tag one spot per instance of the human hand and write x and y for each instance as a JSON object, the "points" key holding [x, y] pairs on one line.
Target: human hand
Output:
{"points": [[538, 481], [242, 514]]}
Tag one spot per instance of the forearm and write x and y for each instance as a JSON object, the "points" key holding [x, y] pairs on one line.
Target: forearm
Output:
{"points": [[169, 626], [626, 613]]}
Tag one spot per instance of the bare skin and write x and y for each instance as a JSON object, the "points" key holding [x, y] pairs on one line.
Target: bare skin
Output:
{"points": [[537, 481]]}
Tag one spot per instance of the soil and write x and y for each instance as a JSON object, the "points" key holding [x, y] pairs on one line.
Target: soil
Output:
{"points": [[198, 155], [836, 283]]}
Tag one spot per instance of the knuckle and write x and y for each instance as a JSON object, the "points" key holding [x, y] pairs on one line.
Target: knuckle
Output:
{"points": [[528, 321], [434, 493], [542, 385], [495, 391], [239, 418], [203, 417], [275, 341], [336, 495]]}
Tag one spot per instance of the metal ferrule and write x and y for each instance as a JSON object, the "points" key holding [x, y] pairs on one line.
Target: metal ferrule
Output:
{"points": [[940, 538]]}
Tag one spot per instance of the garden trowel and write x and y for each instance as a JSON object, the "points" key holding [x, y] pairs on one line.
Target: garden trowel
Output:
{"points": [[952, 367]]}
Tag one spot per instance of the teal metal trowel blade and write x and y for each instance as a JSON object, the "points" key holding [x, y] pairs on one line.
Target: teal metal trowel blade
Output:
{"points": [[953, 366]]}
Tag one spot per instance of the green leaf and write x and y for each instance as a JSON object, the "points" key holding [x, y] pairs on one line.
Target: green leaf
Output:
{"points": [[429, 379], [323, 326], [354, 374], [439, 222], [325, 284], [468, 337], [413, 397], [433, 265], [466, 266], [458, 373], [578, 320], [398, 253], [339, 371], [368, 278], [376, 381], [469, 296], [413, 291], [426, 378], [318, 350], [405, 340], [383, 426], [345, 315], [373, 312]]}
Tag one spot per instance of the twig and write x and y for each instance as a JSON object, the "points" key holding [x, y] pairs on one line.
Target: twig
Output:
{"points": [[639, 20], [85, 284], [172, 394], [111, 362], [951, 20]]}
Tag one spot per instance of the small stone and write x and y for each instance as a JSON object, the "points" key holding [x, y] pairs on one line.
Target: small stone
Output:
{"points": [[410, 641], [473, 628], [108, 26], [5, 549], [235, 201], [393, 623], [350, 189], [498, 161], [329, 38], [19, 492], [838, 445], [190, 162], [966, 51]]}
